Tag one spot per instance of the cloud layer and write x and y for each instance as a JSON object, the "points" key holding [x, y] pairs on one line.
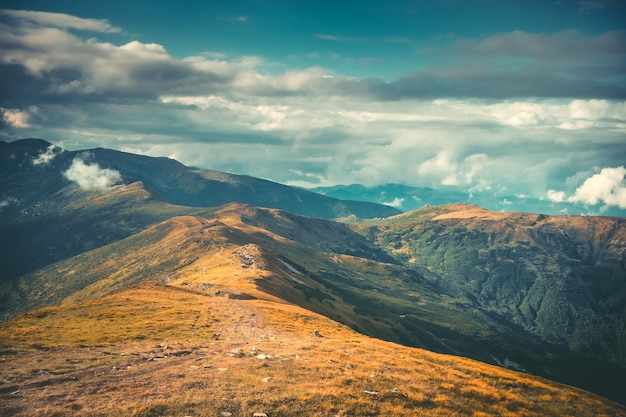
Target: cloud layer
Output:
{"points": [[510, 113]]}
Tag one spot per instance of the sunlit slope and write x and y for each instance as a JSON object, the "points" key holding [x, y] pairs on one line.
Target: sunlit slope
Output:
{"points": [[155, 349]]}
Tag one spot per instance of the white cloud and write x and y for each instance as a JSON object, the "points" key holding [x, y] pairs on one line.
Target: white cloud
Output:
{"points": [[440, 166], [450, 171], [556, 196], [45, 158], [606, 187], [90, 176], [396, 202]]}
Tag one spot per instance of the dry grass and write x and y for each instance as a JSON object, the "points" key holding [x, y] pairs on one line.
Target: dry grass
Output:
{"points": [[154, 351]]}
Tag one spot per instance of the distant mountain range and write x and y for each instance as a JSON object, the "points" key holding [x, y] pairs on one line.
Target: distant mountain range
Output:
{"points": [[407, 198], [538, 293], [43, 187]]}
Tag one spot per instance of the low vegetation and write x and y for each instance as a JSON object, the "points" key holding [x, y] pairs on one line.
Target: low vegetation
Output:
{"points": [[157, 350]]}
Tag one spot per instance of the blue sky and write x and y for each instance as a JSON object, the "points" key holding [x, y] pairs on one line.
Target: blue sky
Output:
{"points": [[521, 98]]}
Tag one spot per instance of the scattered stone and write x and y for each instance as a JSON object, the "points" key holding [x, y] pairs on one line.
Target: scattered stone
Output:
{"points": [[222, 369], [297, 356], [371, 392], [332, 361], [259, 415], [261, 356], [236, 353], [181, 353], [267, 379], [208, 366], [226, 414], [394, 393], [316, 333], [348, 366]]}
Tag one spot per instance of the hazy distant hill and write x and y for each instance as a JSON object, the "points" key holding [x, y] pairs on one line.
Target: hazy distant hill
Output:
{"points": [[546, 294], [407, 198]]}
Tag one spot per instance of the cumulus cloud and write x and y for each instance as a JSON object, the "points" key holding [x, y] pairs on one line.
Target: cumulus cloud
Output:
{"points": [[556, 196], [607, 187], [450, 171], [45, 158], [90, 176], [396, 202]]}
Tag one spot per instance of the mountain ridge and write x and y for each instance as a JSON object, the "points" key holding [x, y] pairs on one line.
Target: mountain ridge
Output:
{"points": [[35, 189], [181, 185]]}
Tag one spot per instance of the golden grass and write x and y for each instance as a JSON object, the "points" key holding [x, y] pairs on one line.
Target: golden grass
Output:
{"points": [[157, 350]]}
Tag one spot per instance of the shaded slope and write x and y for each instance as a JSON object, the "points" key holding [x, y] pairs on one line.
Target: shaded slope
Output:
{"points": [[205, 188], [558, 278]]}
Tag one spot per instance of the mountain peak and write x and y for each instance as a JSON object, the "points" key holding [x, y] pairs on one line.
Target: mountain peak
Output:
{"points": [[29, 145]]}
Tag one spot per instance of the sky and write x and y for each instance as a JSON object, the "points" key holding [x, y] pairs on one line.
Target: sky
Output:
{"points": [[524, 98]]}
